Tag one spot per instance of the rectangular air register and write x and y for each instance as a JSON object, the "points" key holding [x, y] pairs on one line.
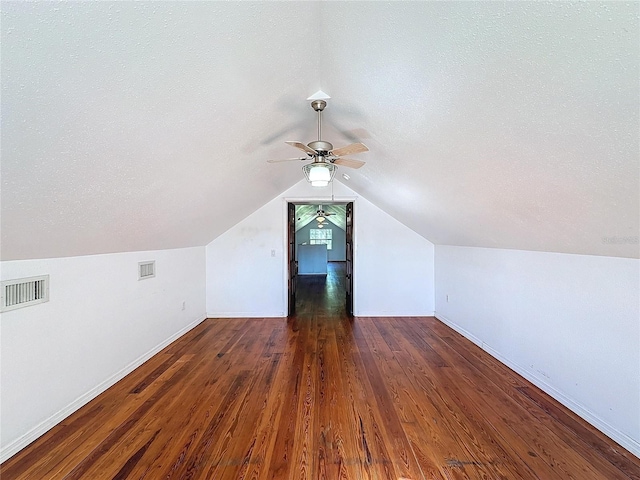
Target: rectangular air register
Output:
{"points": [[146, 270], [24, 292]]}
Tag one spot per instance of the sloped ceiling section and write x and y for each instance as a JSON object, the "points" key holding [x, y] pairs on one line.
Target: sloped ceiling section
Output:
{"points": [[146, 125], [334, 215], [496, 124], [133, 126]]}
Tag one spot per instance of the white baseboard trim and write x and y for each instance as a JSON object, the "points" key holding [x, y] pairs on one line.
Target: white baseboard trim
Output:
{"points": [[245, 315], [283, 314], [459, 329], [18, 444], [392, 314], [616, 435]]}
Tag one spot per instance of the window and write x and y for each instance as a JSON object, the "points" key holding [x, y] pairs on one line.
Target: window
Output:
{"points": [[319, 236]]}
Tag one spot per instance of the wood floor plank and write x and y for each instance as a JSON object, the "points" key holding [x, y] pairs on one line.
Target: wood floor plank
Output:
{"points": [[543, 442], [344, 412], [178, 416], [583, 439], [323, 396], [86, 444], [403, 456], [282, 459], [594, 440], [241, 431], [505, 464], [465, 400], [453, 442], [337, 451], [405, 398], [196, 455]]}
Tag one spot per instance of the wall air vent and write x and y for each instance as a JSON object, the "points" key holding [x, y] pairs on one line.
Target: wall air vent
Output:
{"points": [[24, 292], [146, 270]]}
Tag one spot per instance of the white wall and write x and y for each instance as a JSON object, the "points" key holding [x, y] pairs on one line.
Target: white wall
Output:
{"points": [[393, 265], [568, 323], [100, 323], [243, 279]]}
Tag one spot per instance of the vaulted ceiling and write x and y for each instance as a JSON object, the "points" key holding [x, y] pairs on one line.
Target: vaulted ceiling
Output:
{"points": [[147, 125], [329, 214]]}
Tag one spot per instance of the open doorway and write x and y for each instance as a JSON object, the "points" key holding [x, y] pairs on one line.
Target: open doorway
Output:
{"points": [[320, 259]]}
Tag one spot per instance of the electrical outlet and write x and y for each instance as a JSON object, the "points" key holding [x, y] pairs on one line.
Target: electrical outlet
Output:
{"points": [[273, 253], [184, 305], [447, 298]]}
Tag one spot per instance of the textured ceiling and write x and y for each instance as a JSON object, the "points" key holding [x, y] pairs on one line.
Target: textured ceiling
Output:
{"points": [[334, 215], [146, 125]]}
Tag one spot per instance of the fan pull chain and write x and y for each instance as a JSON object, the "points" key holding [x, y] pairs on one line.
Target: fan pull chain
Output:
{"points": [[332, 199]]}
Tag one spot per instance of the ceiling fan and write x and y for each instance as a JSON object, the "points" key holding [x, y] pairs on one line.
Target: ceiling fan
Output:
{"points": [[325, 158], [321, 214]]}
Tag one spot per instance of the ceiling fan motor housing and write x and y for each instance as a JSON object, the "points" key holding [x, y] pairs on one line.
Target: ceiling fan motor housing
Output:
{"points": [[321, 146]]}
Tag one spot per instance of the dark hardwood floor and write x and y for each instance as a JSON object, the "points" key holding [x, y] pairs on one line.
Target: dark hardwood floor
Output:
{"points": [[322, 396], [322, 295]]}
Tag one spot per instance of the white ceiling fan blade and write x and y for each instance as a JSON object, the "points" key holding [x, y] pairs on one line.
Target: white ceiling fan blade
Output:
{"points": [[349, 162], [287, 160], [350, 149], [302, 147]]}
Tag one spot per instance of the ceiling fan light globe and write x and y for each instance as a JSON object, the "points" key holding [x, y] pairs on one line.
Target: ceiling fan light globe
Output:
{"points": [[319, 174]]}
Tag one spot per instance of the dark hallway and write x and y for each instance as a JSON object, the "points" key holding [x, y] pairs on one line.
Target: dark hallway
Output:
{"points": [[322, 295]]}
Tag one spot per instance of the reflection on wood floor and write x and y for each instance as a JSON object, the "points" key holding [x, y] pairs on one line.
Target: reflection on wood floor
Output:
{"points": [[322, 396], [322, 294]]}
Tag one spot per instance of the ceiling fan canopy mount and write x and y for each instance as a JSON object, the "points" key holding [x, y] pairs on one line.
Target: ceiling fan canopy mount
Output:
{"points": [[318, 105]]}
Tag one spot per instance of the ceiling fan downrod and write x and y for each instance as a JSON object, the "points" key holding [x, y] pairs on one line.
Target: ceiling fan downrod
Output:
{"points": [[318, 106], [320, 146]]}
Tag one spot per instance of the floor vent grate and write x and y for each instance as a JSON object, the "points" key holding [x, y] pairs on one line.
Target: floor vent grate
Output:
{"points": [[24, 292]]}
